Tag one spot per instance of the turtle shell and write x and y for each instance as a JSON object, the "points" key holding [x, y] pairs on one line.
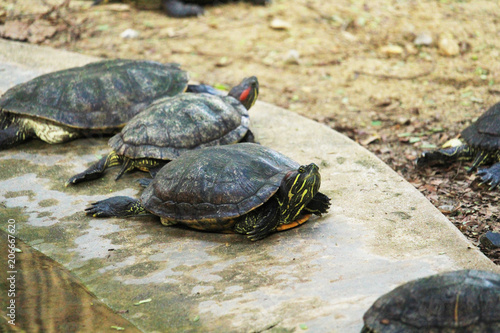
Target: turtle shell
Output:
{"points": [[485, 132], [100, 95], [216, 183], [459, 302], [173, 125]]}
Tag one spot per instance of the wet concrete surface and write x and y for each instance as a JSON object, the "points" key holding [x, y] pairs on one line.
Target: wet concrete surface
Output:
{"points": [[319, 277]]}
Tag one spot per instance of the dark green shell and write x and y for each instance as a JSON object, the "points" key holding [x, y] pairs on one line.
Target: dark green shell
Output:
{"points": [[459, 302], [221, 182], [485, 132], [99, 95], [173, 125]]}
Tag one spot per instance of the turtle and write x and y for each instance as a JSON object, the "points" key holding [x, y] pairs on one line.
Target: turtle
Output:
{"points": [[463, 301], [170, 126], [244, 188], [482, 145], [98, 98], [180, 8]]}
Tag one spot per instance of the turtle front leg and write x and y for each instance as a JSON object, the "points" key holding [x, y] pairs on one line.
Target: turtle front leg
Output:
{"points": [[260, 222], [119, 206], [445, 156], [318, 205], [177, 8], [490, 175], [150, 165], [97, 169]]}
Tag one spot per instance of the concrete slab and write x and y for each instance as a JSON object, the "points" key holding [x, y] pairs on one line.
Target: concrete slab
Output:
{"points": [[321, 277]]}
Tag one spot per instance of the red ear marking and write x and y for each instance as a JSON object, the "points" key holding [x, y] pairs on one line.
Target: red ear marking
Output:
{"points": [[244, 94], [288, 174]]}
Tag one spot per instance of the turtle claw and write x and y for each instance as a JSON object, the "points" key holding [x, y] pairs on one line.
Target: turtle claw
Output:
{"points": [[490, 175], [257, 234], [99, 209]]}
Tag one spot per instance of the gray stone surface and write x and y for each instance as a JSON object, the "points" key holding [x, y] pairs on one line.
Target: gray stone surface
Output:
{"points": [[380, 232]]}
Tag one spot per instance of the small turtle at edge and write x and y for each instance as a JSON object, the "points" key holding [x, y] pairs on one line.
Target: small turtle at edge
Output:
{"points": [[95, 99], [465, 301], [243, 188], [180, 8], [171, 126], [482, 146]]}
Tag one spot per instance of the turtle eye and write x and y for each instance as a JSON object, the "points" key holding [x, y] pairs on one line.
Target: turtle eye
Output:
{"points": [[302, 169]]}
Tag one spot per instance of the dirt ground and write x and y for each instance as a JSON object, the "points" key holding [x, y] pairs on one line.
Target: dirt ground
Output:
{"points": [[397, 76]]}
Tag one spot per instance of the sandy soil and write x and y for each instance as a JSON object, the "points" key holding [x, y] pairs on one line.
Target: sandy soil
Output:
{"points": [[357, 66]]}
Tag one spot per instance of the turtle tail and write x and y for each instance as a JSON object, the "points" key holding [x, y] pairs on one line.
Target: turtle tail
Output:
{"points": [[119, 206]]}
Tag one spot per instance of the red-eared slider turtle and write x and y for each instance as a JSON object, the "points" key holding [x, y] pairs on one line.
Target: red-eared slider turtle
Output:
{"points": [[180, 8], [466, 301], [173, 125], [482, 146], [244, 188], [93, 99]]}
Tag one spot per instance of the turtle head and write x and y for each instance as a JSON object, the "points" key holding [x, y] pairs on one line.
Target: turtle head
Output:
{"points": [[246, 92], [297, 189]]}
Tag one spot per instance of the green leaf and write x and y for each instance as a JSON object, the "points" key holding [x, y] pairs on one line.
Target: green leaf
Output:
{"points": [[196, 318], [404, 135], [376, 123], [428, 146], [414, 139], [303, 327], [221, 86], [118, 328]]}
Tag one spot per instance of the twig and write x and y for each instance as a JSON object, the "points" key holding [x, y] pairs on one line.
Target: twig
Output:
{"points": [[396, 77]]}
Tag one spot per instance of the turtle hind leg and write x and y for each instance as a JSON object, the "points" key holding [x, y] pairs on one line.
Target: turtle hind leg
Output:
{"points": [[490, 175], [119, 206], [97, 169], [445, 156], [260, 222], [13, 135], [177, 8], [318, 205]]}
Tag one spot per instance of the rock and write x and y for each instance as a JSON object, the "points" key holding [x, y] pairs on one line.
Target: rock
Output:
{"points": [[292, 58], [279, 24], [391, 50], [490, 240], [423, 38], [448, 46], [411, 49], [129, 34]]}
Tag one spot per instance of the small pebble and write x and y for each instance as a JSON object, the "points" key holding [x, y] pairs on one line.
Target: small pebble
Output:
{"points": [[391, 50], [279, 24], [423, 38], [490, 240], [448, 46], [129, 33], [292, 57]]}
